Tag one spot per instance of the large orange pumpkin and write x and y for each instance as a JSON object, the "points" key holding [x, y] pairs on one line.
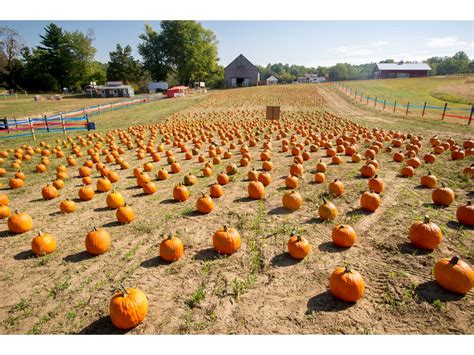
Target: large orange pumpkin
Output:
{"points": [[43, 243], [97, 241], [298, 246], [465, 214], [347, 284], [128, 308], [454, 275], [226, 240], [20, 222], [171, 248], [425, 234]]}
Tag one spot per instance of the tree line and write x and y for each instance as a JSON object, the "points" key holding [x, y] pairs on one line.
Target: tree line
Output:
{"points": [[459, 63], [180, 52]]}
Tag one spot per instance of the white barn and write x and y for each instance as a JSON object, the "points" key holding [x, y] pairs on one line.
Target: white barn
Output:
{"points": [[272, 80]]}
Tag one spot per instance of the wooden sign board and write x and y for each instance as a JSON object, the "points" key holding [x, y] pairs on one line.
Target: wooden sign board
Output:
{"points": [[273, 112]]}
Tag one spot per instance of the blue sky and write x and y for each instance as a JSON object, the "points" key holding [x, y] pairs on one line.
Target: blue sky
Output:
{"points": [[309, 43]]}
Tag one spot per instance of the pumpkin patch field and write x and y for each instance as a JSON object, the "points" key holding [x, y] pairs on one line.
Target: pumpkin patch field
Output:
{"points": [[204, 217]]}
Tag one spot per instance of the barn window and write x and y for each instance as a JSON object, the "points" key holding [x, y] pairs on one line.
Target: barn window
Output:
{"points": [[241, 67]]}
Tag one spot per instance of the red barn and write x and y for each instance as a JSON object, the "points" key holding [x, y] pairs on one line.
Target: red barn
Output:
{"points": [[401, 70]]}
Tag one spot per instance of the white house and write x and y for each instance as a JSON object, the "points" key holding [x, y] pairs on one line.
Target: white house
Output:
{"points": [[310, 78], [272, 80], [160, 85]]}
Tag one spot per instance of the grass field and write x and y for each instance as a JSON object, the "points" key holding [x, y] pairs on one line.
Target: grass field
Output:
{"points": [[259, 289], [458, 90]]}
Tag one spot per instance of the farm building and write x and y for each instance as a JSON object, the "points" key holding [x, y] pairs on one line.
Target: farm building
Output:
{"points": [[156, 86], [115, 89], [272, 80], [401, 70], [241, 72], [310, 78], [177, 91]]}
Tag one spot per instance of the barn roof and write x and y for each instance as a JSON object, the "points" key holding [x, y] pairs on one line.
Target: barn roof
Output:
{"points": [[272, 77], [403, 66], [240, 55]]}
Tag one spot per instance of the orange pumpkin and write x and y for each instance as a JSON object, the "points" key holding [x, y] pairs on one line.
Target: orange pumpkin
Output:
{"points": [[343, 235], [115, 200], [67, 206], [204, 204], [97, 241], [292, 200], [336, 187], [125, 214], [370, 201], [171, 248], [454, 275], [49, 192], [443, 196], [327, 210], [180, 193], [216, 191], [256, 190], [42, 244], [429, 181], [298, 246], [425, 235], [226, 240], [128, 308], [465, 214], [19, 223], [347, 284]]}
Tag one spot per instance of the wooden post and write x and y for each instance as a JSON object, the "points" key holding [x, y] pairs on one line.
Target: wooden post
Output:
{"points": [[394, 106], [424, 107], [8, 126], [375, 104], [360, 97], [62, 123], [87, 120], [46, 123], [355, 94], [384, 102], [408, 105], [32, 129], [16, 124], [444, 110], [368, 99], [470, 116]]}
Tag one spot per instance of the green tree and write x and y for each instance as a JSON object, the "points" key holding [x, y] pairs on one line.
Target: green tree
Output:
{"points": [[11, 44], [183, 48], [82, 55], [122, 66]]}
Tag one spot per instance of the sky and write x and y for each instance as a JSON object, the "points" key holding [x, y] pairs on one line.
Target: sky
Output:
{"points": [[308, 43]]}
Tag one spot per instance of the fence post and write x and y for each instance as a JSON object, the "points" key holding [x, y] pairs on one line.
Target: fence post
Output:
{"points": [[355, 94], [470, 116], [32, 129], [368, 99], [384, 102], [444, 110], [62, 123], [375, 104], [424, 107], [8, 126], [361, 97], [16, 124], [408, 105], [87, 120], [46, 123], [394, 106]]}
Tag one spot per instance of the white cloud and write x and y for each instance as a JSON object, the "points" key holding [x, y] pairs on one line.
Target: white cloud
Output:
{"points": [[444, 42], [359, 49]]}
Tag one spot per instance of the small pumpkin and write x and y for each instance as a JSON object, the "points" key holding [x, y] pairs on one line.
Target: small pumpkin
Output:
{"points": [[104, 185], [454, 275], [429, 181], [336, 187], [465, 214], [347, 284], [370, 201], [86, 193], [408, 171], [291, 182], [216, 191], [67, 206], [97, 241], [376, 184], [292, 200], [42, 244], [256, 190], [128, 308], [343, 235], [265, 178], [319, 178], [223, 179], [190, 180], [4, 211], [204, 204], [149, 188], [425, 235], [125, 214], [180, 193], [162, 174], [368, 171], [171, 248], [20, 222], [327, 210], [115, 200], [4, 199], [226, 240], [49, 192], [443, 196], [298, 246]]}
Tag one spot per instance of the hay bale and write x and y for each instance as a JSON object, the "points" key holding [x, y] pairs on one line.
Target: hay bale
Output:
{"points": [[37, 97]]}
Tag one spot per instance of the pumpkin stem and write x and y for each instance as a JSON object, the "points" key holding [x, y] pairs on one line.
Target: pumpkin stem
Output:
{"points": [[454, 260], [225, 228], [347, 268], [122, 288], [469, 203], [427, 219]]}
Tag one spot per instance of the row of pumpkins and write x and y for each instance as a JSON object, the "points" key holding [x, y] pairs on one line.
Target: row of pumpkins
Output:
{"points": [[129, 307]]}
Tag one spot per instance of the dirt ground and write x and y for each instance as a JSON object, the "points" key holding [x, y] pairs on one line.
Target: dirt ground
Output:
{"points": [[259, 289]]}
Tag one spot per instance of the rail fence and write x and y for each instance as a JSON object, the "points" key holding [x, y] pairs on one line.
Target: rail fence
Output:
{"points": [[65, 121], [463, 113]]}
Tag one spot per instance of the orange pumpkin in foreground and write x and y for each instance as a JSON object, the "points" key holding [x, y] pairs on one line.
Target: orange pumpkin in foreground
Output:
{"points": [[346, 284], [128, 308], [298, 246], [226, 240], [171, 248], [454, 275]]}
